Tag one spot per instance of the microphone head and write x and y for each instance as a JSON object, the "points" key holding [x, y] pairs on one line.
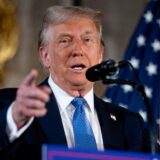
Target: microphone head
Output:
{"points": [[100, 71], [93, 73]]}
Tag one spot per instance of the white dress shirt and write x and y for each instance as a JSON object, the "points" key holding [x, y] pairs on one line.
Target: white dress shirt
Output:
{"points": [[66, 111], [11, 127]]}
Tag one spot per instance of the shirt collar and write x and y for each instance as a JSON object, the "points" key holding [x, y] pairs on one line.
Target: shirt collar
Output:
{"points": [[64, 99]]}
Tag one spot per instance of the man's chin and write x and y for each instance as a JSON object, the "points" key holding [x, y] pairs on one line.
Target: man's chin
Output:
{"points": [[81, 83]]}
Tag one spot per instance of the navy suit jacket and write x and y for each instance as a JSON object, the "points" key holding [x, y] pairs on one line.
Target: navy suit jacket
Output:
{"points": [[126, 132]]}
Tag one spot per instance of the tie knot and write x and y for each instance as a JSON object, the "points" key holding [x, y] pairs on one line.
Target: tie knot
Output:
{"points": [[78, 102]]}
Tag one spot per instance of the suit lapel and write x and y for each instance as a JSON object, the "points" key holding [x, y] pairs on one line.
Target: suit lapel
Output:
{"points": [[103, 120], [51, 123], [111, 126]]}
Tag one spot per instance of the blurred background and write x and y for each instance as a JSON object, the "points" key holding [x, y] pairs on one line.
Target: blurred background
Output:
{"points": [[20, 22], [19, 25]]}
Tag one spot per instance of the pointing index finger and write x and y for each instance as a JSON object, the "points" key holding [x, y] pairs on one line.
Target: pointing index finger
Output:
{"points": [[30, 78]]}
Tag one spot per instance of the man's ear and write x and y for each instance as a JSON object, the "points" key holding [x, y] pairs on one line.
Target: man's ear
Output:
{"points": [[44, 56]]}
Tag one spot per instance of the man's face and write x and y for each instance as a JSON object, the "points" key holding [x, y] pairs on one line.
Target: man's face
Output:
{"points": [[72, 48]]}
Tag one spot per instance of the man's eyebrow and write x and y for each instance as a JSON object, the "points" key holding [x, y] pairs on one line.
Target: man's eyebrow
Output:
{"points": [[86, 32], [90, 33], [65, 34]]}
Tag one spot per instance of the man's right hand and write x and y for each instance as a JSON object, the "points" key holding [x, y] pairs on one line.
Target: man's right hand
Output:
{"points": [[30, 100]]}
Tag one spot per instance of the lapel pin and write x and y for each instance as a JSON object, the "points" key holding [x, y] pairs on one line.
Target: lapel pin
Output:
{"points": [[113, 117]]}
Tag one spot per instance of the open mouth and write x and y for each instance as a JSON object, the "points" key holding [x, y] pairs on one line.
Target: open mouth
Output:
{"points": [[78, 66]]}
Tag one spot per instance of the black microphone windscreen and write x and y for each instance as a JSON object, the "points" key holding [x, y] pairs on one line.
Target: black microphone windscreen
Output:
{"points": [[100, 71], [93, 74]]}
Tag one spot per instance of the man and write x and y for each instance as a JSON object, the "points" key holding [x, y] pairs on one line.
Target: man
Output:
{"points": [[70, 42]]}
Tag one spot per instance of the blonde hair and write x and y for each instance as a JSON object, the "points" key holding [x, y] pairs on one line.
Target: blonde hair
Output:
{"points": [[60, 14]]}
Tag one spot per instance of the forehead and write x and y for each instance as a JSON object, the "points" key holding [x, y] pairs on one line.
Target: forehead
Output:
{"points": [[74, 27]]}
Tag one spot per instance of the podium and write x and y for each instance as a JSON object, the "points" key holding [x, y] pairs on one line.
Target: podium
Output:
{"points": [[51, 152]]}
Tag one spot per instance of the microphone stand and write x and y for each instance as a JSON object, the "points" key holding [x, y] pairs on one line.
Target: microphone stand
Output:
{"points": [[140, 87]]}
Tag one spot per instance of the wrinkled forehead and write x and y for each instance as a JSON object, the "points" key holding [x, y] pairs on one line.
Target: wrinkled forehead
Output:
{"points": [[76, 26], [81, 26]]}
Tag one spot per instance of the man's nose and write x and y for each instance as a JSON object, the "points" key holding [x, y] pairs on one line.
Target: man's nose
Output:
{"points": [[78, 49]]}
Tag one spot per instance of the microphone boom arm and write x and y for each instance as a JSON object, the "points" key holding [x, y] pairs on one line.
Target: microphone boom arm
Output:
{"points": [[140, 87]]}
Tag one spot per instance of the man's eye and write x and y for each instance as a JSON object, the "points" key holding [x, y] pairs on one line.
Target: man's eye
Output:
{"points": [[65, 41], [88, 40]]}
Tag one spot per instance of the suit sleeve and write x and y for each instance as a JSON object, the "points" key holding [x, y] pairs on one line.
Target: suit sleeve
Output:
{"points": [[137, 133], [4, 141], [6, 98]]}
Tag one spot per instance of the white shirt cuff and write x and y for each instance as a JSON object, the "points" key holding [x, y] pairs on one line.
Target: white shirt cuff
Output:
{"points": [[11, 129]]}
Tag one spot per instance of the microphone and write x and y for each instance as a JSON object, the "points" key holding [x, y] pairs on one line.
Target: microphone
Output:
{"points": [[107, 68]]}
